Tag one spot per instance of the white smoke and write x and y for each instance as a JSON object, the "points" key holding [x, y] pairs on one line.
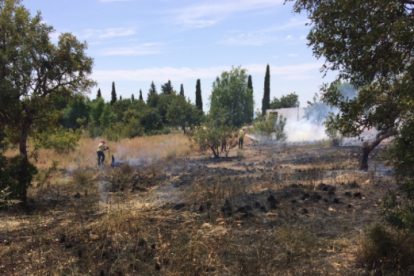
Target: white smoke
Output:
{"points": [[298, 131], [311, 127]]}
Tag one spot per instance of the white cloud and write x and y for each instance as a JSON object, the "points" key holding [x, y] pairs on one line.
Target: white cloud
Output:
{"points": [[290, 72], [107, 33], [293, 55], [199, 16], [137, 50], [289, 37]]}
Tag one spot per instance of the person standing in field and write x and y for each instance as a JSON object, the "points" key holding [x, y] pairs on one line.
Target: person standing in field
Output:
{"points": [[100, 152], [241, 137]]}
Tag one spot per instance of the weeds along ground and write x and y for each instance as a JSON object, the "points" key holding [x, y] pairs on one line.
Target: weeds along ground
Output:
{"points": [[263, 211]]}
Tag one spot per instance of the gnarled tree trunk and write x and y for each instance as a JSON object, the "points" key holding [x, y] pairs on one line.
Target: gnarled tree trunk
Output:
{"points": [[369, 146]]}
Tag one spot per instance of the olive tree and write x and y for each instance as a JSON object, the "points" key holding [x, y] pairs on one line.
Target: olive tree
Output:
{"points": [[369, 42], [33, 71]]}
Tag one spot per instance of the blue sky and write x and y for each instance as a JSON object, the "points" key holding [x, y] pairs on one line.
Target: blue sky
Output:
{"points": [[134, 42]]}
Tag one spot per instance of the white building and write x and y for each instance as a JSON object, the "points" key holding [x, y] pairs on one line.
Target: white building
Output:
{"points": [[291, 114]]}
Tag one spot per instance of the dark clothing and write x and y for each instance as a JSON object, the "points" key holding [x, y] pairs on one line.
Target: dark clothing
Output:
{"points": [[101, 157], [241, 143]]}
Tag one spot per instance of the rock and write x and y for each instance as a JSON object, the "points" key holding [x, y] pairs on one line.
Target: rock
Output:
{"points": [[271, 214], [348, 194], [336, 200], [357, 194], [305, 211]]}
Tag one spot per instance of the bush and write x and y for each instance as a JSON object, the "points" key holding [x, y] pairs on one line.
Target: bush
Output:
{"points": [[61, 140], [266, 126], [16, 175], [213, 134], [335, 136], [386, 249]]}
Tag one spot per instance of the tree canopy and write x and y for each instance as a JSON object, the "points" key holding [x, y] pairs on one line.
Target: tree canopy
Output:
{"points": [[34, 72], [370, 43], [230, 93], [290, 100]]}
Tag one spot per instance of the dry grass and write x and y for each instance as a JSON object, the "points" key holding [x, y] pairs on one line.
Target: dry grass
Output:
{"points": [[112, 230], [150, 149]]}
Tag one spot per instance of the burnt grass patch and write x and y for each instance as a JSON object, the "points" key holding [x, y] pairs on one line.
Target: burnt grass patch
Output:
{"points": [[285, 214]]}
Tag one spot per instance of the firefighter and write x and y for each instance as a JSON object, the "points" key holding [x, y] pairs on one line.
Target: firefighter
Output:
{"points": [[100, 152], [241, 137]]}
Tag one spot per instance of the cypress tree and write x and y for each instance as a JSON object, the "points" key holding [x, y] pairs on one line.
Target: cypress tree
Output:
{"points": [[199, 99], [167, 88], [132, 97], [99, 95], [182, 90], [250, 86], [140, 95], [266, 95], [152, 99], [120, 97], [113, 94]]}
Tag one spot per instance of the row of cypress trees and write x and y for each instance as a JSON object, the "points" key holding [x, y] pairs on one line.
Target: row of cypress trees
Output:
{"points": [[166, 88]]}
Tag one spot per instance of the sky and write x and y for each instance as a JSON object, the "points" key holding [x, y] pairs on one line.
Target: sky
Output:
{"points": [[134, 42]]}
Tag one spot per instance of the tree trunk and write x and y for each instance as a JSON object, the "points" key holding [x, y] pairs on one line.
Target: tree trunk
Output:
{"points": [[368, 147], [363, 164]]}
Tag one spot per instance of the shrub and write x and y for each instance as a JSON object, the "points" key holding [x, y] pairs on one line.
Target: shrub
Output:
{"points": [[266, 126], [386, 248], [16, 175], [213, 133]]}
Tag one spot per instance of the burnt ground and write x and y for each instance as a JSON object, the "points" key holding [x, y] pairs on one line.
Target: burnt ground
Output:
{"points": [[271, 210]]}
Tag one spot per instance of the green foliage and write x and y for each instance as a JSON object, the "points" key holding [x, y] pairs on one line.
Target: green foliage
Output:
{"points": [[16, 175], [152, 99], [335, 136], [78, 107], [272, 124], [107, 117], [213, 132], [182, 90], [250, 86], [98, 94], [140, 95], [266, 93], [164, 101], [199, 98], [132, 98], [290, 100], [181, 113], [231, 94], [113, 94], [167, 88], [386, 249], [35, 73], [61, 140]]}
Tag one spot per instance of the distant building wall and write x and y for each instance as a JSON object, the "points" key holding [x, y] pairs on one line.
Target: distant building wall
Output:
{"points": [[293, 113]]}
